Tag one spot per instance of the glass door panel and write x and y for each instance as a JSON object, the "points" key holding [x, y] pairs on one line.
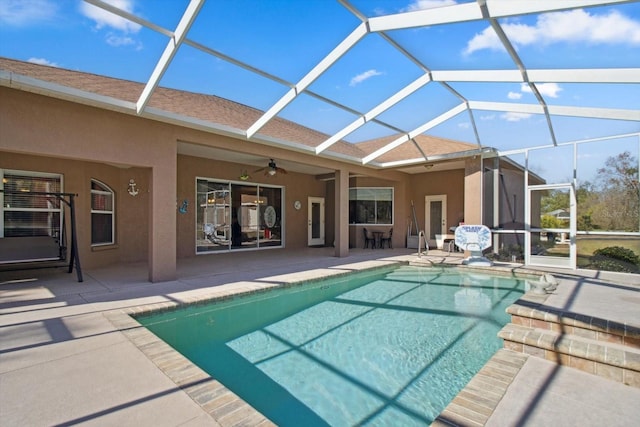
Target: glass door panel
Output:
{"points": [[550, 237], [246, 210], [435, 219], [271, 217], [315, 231], [213, 216]]}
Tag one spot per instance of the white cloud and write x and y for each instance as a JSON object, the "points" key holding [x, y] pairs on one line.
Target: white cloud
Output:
{"points": [[42, 61], [116, 40], [510, 116], [488, 117], [487, 39], [19, 13], [427, 4], [546, 89], [364, 76], [103, 18], [570, 26], [465, 125], [514, 95]]}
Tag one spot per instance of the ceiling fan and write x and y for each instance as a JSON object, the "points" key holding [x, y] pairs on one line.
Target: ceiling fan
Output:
{"points": [[271, 169]]}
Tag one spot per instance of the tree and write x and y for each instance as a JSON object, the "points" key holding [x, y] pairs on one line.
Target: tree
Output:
{"points": [[618, 189], [620, 173], [587, 197], [554, 200]]}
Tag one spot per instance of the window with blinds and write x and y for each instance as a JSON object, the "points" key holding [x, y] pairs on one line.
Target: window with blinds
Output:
{"points": [[29, 204]]}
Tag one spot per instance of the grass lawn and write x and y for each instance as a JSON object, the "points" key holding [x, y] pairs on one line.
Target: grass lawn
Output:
{"points": [[588, 244]]}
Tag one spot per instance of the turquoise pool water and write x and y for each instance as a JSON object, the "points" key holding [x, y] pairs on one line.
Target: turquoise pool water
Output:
{"points": [[385, 347]]}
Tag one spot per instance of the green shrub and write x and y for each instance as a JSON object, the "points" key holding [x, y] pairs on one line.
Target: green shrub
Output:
{"points": [[615, 258]]}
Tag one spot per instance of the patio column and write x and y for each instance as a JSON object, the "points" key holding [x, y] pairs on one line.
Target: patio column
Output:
{"points": [[162, 219], [473, 191], [342, 213]]}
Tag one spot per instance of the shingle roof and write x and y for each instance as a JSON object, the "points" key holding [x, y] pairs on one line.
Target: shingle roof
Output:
{"points": [[429, 145], [222, 111]]}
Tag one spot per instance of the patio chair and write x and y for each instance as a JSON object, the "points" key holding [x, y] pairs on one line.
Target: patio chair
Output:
{"points": [[368, 238], [387, 239]]}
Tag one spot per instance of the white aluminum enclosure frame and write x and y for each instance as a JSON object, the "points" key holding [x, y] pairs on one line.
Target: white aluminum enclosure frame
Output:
{"points": [[481, 10]]}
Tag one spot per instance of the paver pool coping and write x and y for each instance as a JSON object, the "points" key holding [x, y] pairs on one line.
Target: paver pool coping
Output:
{"points": [[228, 409]]}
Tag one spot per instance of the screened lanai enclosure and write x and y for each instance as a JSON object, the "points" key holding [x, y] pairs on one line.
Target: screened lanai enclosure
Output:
{"points": [[548, 90]]}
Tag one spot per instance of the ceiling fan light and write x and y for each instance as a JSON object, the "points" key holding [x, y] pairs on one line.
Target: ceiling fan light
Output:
{"points": [[272, 172]]}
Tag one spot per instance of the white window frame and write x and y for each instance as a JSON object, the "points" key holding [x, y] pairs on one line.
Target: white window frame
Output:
{"points": [[393, 196], [112, 212], [4, 208]]}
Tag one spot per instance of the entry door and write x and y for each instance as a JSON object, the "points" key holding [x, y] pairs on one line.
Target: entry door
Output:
{"points": [[315, 231], [435, 210]]}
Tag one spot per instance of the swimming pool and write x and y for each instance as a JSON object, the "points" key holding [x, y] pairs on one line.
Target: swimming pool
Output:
{"points": [[382, 347]]}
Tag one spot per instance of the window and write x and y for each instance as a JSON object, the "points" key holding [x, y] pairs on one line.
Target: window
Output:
{"points": [[102, 214], [371, 206], [27, 209]]}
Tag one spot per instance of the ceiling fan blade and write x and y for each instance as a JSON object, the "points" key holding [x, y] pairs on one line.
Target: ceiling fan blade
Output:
{"points": [[271, 169]]}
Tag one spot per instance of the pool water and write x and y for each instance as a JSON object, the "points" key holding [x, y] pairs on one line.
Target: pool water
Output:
{"points": [[383, 347]]}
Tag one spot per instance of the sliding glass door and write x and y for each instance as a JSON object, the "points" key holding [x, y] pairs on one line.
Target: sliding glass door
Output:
{"points": [[233, 216]]}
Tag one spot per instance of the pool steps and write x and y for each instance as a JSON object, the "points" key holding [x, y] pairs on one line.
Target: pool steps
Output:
{"points": [[596, 346]]}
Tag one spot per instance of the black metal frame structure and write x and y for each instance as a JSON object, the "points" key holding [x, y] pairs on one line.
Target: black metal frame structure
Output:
{"points": [[72, 256]]}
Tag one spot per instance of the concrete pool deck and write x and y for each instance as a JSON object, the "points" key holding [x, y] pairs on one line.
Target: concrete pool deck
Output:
{"points": [[64, 362]]}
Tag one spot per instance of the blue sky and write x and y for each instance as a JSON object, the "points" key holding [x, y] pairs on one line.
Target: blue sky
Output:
{"points": [[288, 38]]}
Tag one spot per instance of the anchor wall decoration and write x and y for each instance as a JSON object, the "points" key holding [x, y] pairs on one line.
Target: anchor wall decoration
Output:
{"points": [[132, 190]]}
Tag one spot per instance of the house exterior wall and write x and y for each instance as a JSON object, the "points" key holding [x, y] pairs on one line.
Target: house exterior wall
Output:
{"points": [[131, 234], [450, 183], [296, 187], [473, 191], [44, 134], [356, 236], [511, 200]]}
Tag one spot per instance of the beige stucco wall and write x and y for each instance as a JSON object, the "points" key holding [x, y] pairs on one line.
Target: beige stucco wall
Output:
{"points": [[450, 183], [40, 133], [473, 191], [131, 230], [34, 124]]}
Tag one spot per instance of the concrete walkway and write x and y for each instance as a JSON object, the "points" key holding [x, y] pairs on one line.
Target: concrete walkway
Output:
{"points": [[63, 362]]}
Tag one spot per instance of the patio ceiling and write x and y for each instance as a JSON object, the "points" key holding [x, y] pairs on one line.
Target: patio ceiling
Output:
{"points": [[361, 70]]}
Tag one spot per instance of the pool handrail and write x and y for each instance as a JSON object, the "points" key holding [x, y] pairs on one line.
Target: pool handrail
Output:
{"points": [[426, 246]]}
